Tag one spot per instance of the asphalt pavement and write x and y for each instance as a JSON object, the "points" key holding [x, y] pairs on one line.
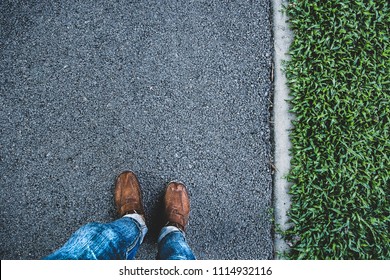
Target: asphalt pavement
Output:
{"points": [[168, 89]]}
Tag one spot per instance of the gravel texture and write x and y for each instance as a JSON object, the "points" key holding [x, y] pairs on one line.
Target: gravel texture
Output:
{"points": [[168, 89]]}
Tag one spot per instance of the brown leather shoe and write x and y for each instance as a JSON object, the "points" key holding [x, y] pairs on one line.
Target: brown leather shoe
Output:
{"points": [[177, 205], [128, 199]]}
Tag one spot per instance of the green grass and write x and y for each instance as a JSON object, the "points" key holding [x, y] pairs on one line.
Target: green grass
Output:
{"points": [[339, 79]]}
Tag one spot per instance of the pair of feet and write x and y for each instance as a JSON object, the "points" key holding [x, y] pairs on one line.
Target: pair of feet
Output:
{"points": [[128, 200]]}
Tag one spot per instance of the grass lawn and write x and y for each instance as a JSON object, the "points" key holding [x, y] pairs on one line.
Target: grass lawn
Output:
{"points": [[339, 77]]}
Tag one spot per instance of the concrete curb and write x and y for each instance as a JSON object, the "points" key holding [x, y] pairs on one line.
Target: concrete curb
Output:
{"points": [[282, 123]]}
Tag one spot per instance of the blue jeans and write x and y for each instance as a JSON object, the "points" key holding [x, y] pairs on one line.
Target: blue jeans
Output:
{"points": [[120, 240]]}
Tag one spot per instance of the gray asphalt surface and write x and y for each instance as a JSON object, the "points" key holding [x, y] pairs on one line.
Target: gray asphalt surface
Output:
{"points": [[168, 89]]}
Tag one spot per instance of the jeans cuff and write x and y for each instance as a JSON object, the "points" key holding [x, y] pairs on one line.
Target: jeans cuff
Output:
{"points": [[167, 230], [138, 218]]}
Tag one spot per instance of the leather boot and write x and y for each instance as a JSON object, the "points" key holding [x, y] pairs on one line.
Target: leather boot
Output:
{"points": [[177, 205], [128, 199]]}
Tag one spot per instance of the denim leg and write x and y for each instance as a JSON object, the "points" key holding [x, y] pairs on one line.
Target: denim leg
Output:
{"points": [[172, 245], [97, 241]]}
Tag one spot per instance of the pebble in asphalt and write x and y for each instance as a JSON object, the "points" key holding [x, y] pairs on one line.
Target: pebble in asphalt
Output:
{"points": [[168, 89]]}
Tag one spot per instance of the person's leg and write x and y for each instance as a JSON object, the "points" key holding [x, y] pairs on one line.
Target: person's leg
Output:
{"points": [[97, 241], [117, 240], [172, 244]]}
